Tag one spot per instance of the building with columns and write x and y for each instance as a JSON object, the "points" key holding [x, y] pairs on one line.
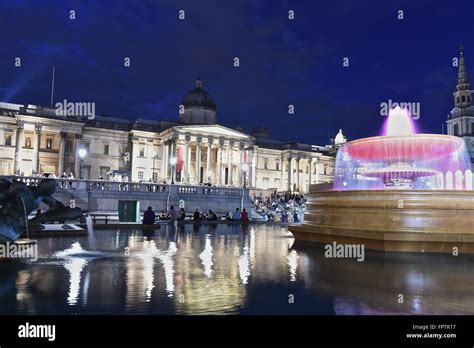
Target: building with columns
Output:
{"points": [[461, 118], [192, 150]]}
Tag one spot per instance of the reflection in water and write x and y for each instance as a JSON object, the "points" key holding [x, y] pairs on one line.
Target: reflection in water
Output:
{"points": [[166, 258], [292, 264], [206, 257], [148, 258], [74, 265], [224, 269], [244, 263]]}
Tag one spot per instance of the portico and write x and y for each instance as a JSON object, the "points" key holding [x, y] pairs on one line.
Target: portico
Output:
{"points": [[209, 154]]}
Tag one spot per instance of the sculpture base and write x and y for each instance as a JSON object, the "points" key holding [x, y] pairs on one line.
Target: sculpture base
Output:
{"points": [[391, 220]]}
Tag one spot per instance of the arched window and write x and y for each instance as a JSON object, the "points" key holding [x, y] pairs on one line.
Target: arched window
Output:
{"points": [[463, 98], [455, 129]]}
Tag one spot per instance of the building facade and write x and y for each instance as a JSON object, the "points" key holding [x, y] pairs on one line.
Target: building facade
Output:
{"points": [[192, 150], [461, 118]]}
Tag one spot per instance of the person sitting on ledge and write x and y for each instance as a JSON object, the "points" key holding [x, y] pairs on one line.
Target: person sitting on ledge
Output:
{"points": [[196, 215], [237, 214], [149, 217], [163, 215], [295, 217], [245, 215], [211, 216]]}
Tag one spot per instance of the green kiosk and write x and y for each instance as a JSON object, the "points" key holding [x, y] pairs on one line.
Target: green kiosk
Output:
{"points": [[129, 211]]}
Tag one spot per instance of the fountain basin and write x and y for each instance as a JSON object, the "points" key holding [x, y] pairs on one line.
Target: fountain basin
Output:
{"points": [[391, 220]]}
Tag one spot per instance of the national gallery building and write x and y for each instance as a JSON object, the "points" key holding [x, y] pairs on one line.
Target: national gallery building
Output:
{"points": [[191, 150]]}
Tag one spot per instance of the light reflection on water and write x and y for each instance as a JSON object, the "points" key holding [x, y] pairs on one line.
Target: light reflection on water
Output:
{"points": [[225, 269]]}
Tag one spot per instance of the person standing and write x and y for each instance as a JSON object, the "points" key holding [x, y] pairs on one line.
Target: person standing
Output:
{"points": [[196, 215], [182, 214], [173, 215]]}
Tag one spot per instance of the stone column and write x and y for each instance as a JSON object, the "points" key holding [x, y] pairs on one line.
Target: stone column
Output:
{"points": [[219, 162], [251, 169], [175, 158], [240, 174], [229, 162], [290, 174], [208, 159], [36, 146], [185, 171], [18, 141], [317, 171], [310, 172], [198, 160], [169, 154], [135, 153], [163, 160], [298, 174], [62, 150], [77, 159]]}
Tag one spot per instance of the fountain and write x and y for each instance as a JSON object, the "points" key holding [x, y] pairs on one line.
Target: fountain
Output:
{"points": [[400, 191], [17, 200], [400, 158]]}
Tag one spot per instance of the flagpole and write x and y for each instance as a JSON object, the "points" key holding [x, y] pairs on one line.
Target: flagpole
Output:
{"points": [[52, 87]]}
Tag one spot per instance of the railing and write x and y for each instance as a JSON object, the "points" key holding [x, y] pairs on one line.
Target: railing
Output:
{"points": [[117, 186]]}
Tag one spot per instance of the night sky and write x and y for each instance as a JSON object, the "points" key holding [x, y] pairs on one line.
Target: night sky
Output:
{"points": [[282, 61]]}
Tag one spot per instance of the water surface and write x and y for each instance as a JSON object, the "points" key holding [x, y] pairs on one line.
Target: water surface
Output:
{"points": [[227, 269]]}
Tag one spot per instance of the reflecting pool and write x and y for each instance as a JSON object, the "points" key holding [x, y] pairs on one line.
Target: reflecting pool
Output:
{"points": [[227, 269]]}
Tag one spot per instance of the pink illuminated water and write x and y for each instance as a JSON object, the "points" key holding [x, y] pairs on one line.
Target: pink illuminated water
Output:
{"points": [[402, 159]]}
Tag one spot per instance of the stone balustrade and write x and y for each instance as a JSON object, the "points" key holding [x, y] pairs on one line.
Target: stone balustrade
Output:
{"points": [[101, 195]]}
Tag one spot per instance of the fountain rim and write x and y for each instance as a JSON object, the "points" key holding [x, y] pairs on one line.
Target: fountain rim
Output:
{"points": [[403, 138]]}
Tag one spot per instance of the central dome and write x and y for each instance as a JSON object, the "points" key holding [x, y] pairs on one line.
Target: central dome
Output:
{"points": [[198, 97], [199, 107]]}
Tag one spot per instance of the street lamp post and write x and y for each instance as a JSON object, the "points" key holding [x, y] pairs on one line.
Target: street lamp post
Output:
{"points": [[173, 161], [82, 153], [245, 168]]}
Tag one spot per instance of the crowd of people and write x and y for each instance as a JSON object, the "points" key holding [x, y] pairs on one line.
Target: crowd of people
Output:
{"points": [[150, 217], [283, 207]]}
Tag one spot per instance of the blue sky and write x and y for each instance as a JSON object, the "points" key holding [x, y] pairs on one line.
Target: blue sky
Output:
{"points": [[282, 62]]}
